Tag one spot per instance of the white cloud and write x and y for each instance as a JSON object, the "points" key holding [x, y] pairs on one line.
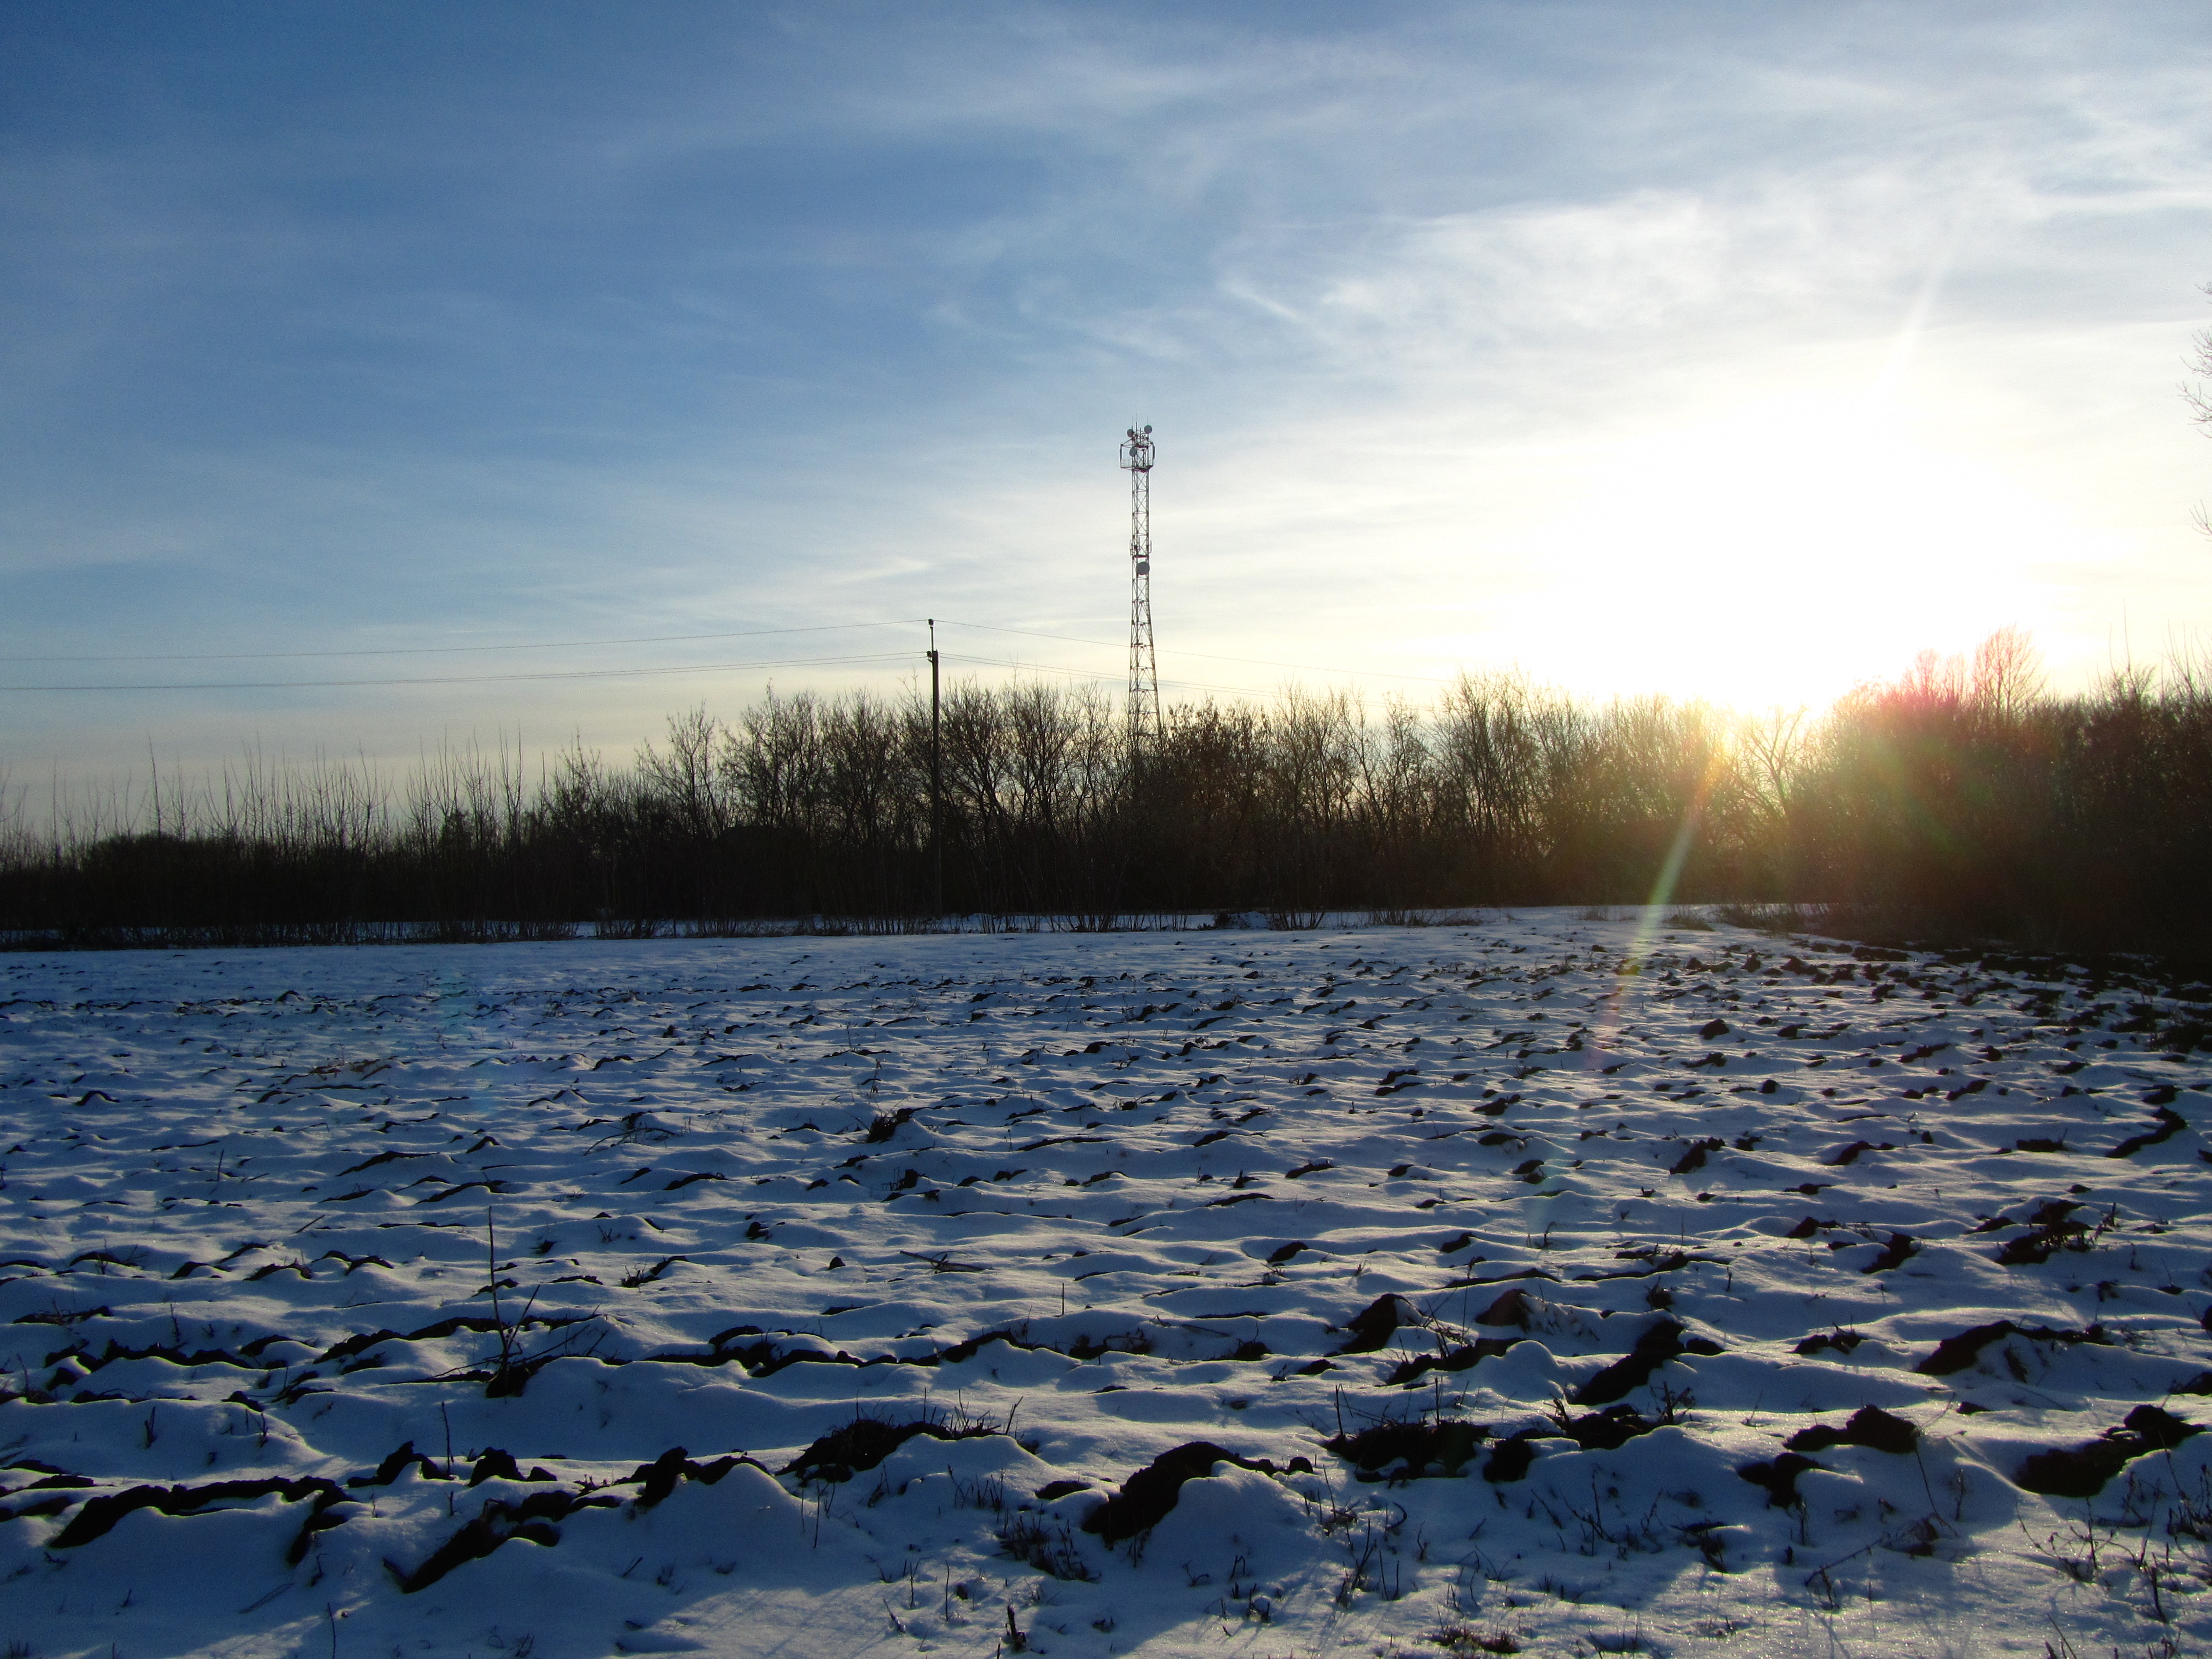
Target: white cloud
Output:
{"points": [[1472, 334]]}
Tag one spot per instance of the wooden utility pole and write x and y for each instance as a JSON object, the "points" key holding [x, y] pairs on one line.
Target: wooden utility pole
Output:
{"points": [[936, 783]]}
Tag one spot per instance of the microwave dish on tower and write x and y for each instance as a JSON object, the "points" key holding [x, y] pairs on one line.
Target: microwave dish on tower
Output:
{"points": [[1144, 663]]}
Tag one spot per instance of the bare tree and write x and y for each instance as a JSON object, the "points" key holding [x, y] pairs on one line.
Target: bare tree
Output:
{"points": [[2008, 674], [685, 779], [1773, 746], [2198, 397]]}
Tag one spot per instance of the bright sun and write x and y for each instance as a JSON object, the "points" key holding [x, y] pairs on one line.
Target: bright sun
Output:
{"points": [[1779, 554]]}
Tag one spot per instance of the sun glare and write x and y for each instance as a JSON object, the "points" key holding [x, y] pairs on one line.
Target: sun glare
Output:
{"points": [[1779, 554]]}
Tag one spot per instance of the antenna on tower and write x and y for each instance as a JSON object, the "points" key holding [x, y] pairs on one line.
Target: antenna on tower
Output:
{"points": [[1144, 663]]}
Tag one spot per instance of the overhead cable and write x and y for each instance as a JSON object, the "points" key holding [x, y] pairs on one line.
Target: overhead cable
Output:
{"points": [[547, 675], [438, 650], [1210, 656], [484, 679]]}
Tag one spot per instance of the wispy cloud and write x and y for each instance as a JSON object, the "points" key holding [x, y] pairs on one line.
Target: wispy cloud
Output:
{"points": [[1472, 334]]}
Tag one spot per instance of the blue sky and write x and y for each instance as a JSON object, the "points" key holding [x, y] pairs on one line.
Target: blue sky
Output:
{"points": [[1729, 350]]}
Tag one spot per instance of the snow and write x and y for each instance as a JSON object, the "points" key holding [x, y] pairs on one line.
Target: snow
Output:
{"points": [[1075, 1202]]}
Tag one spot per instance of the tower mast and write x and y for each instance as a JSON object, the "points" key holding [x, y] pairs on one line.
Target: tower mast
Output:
{"points": [[1144, 663]]}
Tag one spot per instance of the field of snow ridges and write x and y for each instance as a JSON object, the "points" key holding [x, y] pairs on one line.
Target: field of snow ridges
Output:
{"points": [[824, 1297]]}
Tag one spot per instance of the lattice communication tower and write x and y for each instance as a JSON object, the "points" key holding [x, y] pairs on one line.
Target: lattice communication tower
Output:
{"points": [[1144, 663]]}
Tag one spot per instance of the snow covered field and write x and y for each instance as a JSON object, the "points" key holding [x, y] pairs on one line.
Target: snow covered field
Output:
{"points": [[1425, 1291]]}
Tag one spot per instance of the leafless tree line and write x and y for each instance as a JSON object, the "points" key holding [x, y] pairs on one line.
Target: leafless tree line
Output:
{"points": [[1960, 797]]}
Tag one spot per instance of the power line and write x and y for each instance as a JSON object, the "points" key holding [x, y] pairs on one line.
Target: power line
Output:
{"points": [[437, 650], [485, 679], [1020, 667], [551, 675], [637, 639], [1210, 656]]}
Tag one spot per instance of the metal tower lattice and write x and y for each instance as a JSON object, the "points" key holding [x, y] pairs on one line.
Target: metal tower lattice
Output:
{"points": [[1144, 663]]}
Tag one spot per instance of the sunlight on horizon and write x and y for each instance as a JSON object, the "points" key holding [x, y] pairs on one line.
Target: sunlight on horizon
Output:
{"points": [[1779, 554]]}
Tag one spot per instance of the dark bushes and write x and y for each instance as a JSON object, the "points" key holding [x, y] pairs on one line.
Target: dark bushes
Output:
{"points": [[1957, 800]]}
